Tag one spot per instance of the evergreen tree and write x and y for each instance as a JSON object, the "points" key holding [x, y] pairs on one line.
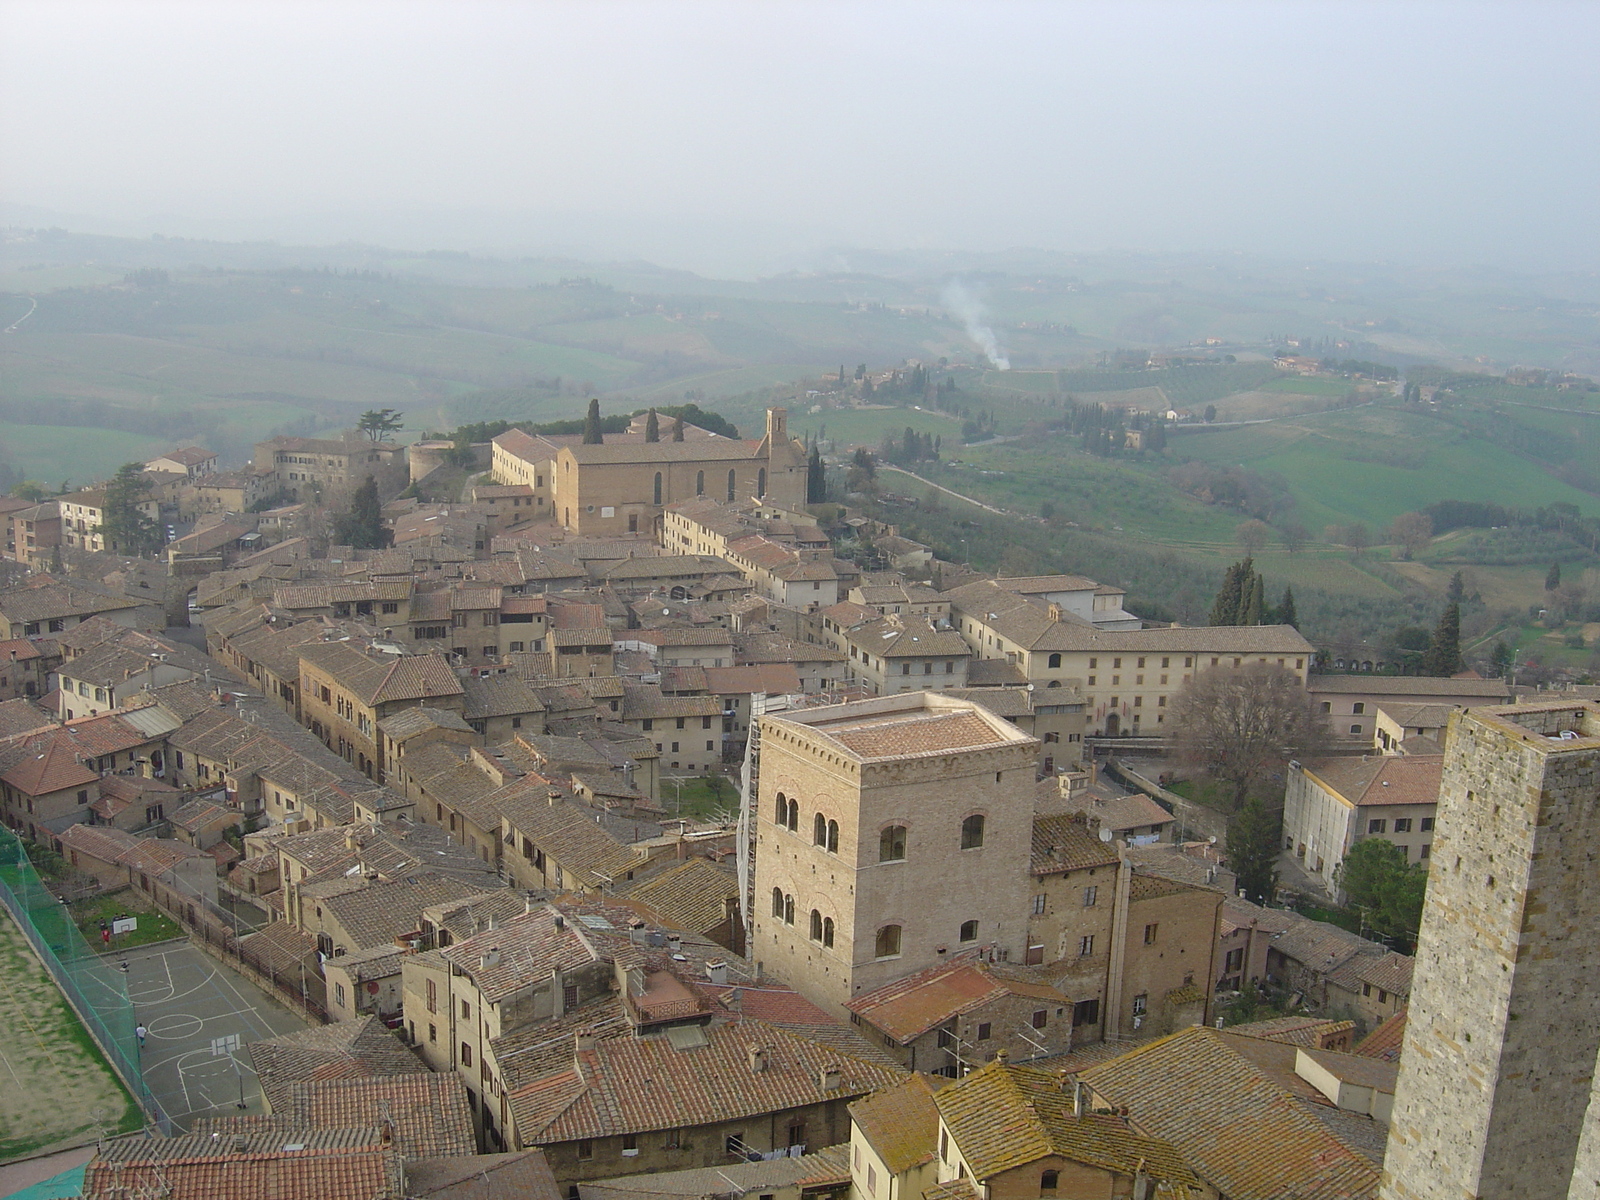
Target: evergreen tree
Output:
{"points": [[1253, 607], [124, 527], [1553, 580], [1501, 656], [1457, 589], [1443, 656], [1253, 838], [816, 478], [362, 527], [1286, 614], [1225, 608], [652, 427], [591, 425], [677, 429]]}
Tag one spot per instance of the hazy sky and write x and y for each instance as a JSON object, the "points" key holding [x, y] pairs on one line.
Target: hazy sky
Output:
{"points": [[741, 136]]}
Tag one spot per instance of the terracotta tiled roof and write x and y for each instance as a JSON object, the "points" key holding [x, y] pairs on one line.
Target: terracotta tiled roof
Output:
{"points": [[745, 1068], [1238, 1128], [912, 636], [384, 678], [1294, 1031], [1486, 690], [334, 1164], [362, 1046], [1386, 1041], [46, 597], [1392, 973], [955, 1189], [46, 762], [429, 1111], [569, 835], [939, 733], [693, 895], [910, 1007], [520, 953], [523, 1175], [409, 722], [1004, 1116], [641, 701], [1412, 779], [1064, 843], [901, 1124], [21, 716], [779, 679], [377, 912], [104, 842]]}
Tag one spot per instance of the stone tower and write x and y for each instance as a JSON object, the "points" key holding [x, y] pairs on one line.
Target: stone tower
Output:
{"points": [[1504, 1025], [892, 833]]}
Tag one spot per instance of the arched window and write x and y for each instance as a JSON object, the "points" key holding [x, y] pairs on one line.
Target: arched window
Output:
{"points": [[827, 932], [788, 910], [969, 931], [657, 500], [892, 844], [887, 944], [833, 837], [1055, 661], [777, 902], [781, 815], [761, 482], [794, 816], [819, 830], [699, 483], [730, 486], [972, 832], [816, 926], [1054, 683], [1048, 1182]]}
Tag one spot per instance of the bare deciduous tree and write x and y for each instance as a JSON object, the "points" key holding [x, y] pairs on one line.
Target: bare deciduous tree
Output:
{"points": [[1240, 725], [1412, 532]]}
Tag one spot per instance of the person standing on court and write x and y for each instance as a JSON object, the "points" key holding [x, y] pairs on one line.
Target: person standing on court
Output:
{"points": [[140, 1031]]}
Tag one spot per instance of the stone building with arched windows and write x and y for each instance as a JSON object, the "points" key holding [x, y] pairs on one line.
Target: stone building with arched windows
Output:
{"points": [[892, 833]]}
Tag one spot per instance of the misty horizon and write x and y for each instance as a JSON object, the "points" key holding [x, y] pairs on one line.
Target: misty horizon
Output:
{"points": [[744, 140]]}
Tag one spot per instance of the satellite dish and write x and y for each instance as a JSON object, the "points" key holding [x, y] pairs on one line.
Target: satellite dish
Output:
{"points": [[1105, 834]]}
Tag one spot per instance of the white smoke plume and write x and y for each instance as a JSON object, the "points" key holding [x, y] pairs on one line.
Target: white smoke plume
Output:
{"points": [[966, 305]]}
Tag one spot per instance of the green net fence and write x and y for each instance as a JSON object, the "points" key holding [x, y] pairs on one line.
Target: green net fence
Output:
{"points": [[94, 985]]}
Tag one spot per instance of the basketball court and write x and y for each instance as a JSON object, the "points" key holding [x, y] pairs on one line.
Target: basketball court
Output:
{"points": [[200, 1017]]}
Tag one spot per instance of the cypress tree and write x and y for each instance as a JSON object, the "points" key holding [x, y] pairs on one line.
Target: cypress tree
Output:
{"points": [[1443, 656], [1225, 608], [1253, 606], [652, 427], [1553, 580], [816, 479], [1286, 614], [591, 425]]}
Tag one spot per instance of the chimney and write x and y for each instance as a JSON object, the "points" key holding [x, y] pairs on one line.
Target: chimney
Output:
{"points": [[350, 842], [758, 1059], [583, 1040], [1080, 1099], [561, 922], [830, 1079], [489, 958], [494, 922], [675, 943], [717, 971], [528, 903], [1055, 612], [1002, 1056]]}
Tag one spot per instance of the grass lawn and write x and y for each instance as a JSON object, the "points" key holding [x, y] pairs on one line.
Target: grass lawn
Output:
{"points": [[58, 1090], [699, 798], [153, 926]]}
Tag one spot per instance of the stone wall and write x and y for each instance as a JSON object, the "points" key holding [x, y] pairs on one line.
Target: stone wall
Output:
{"points": [[1504, 1025]]}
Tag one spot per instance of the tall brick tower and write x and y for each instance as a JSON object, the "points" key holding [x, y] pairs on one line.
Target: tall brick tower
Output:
{"points": [[1504, 1025]]}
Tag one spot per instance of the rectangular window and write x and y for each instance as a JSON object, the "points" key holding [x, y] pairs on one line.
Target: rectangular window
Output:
{"points": [[1090, 896], [1086, 945], [433, 995], [1426, 850], [983, 1031], [1402, 824], [1150, 934], [1041, 1017], [433, 1033], [585, 1149], [466, 1010], [1038, 904], [1427, 824], [1377, 825], [466, 1055], [1086, 1012]]}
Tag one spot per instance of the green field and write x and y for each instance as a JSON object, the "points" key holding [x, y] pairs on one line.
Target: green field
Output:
{"points": [[59, 1090]]}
